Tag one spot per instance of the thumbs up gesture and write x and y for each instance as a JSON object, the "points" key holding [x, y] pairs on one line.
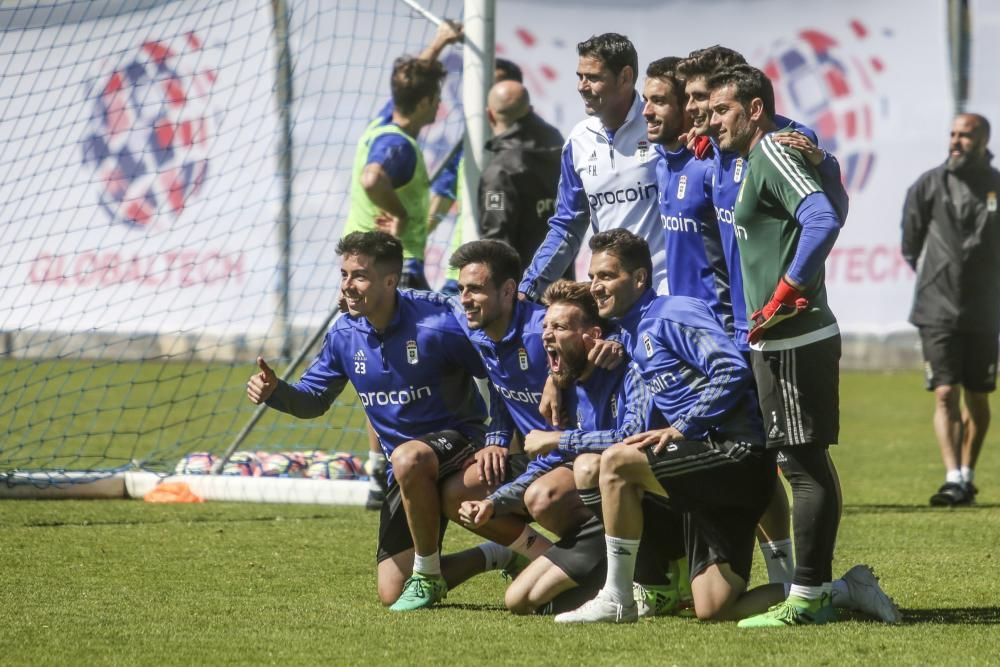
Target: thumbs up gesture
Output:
{"points": [[262, 383]]}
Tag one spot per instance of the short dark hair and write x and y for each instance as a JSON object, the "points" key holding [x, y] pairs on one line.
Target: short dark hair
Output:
{"points": [[385, 249], [612, 49], [631, 250], [706, 62], [576, 294], [509, 69], [748, 82], [414, 80], [499, 257], [665, 69]]}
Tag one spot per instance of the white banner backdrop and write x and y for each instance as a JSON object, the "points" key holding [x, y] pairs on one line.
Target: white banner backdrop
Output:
{"points": [[139, 160], [870, 77], [984, 88]]}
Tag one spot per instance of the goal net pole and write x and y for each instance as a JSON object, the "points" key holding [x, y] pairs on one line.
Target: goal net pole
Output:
{"points": [[477, 77]]}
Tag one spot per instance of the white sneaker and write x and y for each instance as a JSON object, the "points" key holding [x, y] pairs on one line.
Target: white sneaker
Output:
{"points": [[864, 594], [602, 609]]}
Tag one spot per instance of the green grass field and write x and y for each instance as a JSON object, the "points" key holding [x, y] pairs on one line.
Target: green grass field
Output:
{"points": [[122, 582]]}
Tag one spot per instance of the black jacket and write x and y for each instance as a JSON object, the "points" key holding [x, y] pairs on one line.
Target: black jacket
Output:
{"points": [[517, 190], [951, 224]]}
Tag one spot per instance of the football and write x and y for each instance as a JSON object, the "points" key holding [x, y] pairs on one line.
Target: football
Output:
{"points": [[197, 463]]}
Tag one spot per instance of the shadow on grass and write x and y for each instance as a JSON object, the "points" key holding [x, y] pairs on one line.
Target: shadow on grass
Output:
{"points": [[952, 616], [472, 606], [912, 509]]}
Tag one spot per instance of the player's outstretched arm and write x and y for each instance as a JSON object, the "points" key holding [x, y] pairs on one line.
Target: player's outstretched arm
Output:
{"points": [[448, 32], [308, 398]]}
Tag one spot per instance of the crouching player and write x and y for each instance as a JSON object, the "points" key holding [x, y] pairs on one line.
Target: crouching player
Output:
{"points": [[711, 461], [413, 369], [610, 405]]}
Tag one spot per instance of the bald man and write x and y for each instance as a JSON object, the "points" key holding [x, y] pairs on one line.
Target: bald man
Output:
{"points": [[517, 190], [952, 225]]}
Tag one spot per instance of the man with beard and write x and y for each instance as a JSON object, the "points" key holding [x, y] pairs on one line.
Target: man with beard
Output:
{"points": [[786, 226], [608, 178], [711, 461], [951, 238], [696, 254], [413, 369], [610, 405]]}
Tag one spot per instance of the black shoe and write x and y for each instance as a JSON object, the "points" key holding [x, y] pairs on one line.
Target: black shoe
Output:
{"points": [[951, 495], [971, 491]]}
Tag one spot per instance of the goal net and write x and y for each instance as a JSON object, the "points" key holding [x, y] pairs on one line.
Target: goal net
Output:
{"points": [[143, 262]]}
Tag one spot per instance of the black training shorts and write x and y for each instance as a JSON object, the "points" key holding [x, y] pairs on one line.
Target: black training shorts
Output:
{"points": [[799, 393], [453, 451], [958, 358]]}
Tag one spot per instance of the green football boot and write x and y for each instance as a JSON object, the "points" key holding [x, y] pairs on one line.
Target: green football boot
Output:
{"points": [[655, 600], [421, 591], [793, 611]]}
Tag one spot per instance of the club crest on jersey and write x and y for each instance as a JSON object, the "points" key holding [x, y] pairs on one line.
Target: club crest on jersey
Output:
{"points": [[494, 200], [682, 184], [643, 148], [522, 359], [738, 170], [991, 202], [411, 352], [648, 344]]}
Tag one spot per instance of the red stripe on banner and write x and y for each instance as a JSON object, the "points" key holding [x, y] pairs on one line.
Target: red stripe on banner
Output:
{"points": [[164, 133], [175, 91], [193, 41], [118, 117], [157, 51], [850, 124], [868, 122], [863, 74], [114, 84], [826, 125], [838, 86], [877, 63], [174, 187], [549, 73], [525, 36], [138, 212], [819, 41], [771, 70], [186, 133], [859, 28]]}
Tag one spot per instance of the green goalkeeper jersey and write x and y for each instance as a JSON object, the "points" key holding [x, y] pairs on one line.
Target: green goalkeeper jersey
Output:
{"points": [[767, 234]]}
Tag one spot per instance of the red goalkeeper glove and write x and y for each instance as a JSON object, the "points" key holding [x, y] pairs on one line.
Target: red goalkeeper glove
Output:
{"points": [[702, 147], [787, 301]]}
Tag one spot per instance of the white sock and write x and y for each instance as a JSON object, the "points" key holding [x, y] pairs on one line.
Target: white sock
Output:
{"points": [[530, 543], [967, 474], [779, 560], [953, 476], [427, 565], [806, 592], [497, 555], [621, 568]]}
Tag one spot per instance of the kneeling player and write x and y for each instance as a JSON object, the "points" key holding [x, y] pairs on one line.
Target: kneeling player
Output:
{"points": [[413, 369], [610, 405], [711, 460]]}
